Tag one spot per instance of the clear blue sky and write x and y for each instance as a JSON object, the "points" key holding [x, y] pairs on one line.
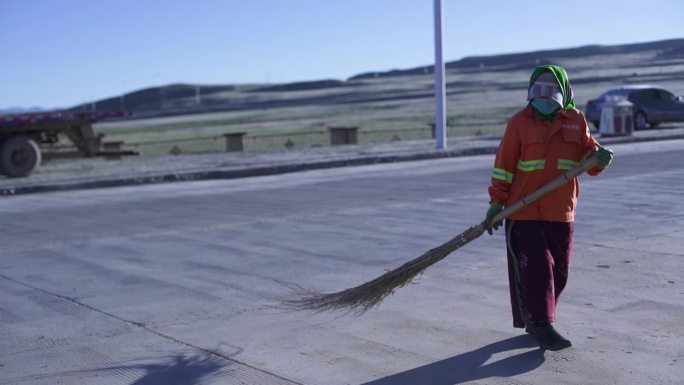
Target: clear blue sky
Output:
{"points": [[58, 53]]}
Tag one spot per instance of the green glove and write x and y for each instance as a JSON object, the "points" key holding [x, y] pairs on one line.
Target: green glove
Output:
{"points": [[604, 156], [494, 208]]}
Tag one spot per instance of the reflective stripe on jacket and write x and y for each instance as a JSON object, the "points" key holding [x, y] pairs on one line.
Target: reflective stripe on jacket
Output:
{"points": [[533, 152]]}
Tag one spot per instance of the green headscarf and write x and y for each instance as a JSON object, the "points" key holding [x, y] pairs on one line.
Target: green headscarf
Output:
{"points": [[563, 83]]}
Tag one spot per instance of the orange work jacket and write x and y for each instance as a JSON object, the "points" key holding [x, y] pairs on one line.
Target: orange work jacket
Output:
{"points": [[534, 151]]}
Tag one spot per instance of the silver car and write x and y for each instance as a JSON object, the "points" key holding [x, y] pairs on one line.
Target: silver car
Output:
{"points": [[652, 105]]}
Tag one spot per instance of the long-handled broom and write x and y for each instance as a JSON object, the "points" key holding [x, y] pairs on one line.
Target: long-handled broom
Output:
{"points": [[368, 295]]}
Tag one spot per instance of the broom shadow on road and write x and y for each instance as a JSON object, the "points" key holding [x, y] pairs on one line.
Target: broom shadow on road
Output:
{"points": [[471, 366]]}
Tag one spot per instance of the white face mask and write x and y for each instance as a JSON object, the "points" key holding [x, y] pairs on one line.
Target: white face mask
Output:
{"points": [[546, 106]]}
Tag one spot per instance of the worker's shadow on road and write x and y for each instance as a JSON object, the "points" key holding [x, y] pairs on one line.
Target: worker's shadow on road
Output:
{"points": [[471, 366]]}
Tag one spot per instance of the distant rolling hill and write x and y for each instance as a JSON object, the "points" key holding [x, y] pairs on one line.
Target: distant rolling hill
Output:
{"points": [[178, 99], [667, 49], [20, 110]]}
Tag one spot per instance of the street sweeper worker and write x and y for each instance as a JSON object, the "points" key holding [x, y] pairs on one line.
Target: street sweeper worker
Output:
{"points": [[541, 142]]}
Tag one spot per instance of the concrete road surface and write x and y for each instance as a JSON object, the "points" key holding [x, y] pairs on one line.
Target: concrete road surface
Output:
{"points": [[180, 283]]}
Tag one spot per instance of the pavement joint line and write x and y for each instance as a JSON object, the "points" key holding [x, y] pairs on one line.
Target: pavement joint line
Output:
{"points": [[144, 327]]}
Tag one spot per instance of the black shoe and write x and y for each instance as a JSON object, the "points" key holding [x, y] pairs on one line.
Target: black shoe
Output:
{"points": [[548, 338], [529, 329]]}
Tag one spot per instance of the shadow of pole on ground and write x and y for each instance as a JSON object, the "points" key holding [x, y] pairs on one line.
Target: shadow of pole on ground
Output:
{"points": [[180, 370], [175, 370], [470, 366]]}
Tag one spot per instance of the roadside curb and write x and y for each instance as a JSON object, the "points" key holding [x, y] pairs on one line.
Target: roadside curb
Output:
{"points": [[246, 172], [286, 168]]}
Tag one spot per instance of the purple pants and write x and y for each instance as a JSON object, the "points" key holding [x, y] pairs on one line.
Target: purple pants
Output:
{"points": [[539, 253]]}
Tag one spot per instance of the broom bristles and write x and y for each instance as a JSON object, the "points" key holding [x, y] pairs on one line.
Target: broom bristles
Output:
{"points": [[366, 296]]}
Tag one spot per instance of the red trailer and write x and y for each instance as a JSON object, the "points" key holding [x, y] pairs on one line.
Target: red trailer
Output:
{"points": [[23, 137]]}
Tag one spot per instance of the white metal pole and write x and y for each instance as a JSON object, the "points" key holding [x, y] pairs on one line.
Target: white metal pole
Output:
{"points": [[440, 106]]}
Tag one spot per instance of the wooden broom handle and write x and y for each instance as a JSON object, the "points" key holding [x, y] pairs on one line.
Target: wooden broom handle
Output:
{"points": [[587, 163]]}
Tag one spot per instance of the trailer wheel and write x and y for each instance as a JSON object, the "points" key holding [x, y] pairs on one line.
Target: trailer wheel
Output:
{"points": [[19, 156]]}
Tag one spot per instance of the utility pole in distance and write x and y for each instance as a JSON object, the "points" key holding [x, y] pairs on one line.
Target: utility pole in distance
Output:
{"points": [[440, 105]]}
